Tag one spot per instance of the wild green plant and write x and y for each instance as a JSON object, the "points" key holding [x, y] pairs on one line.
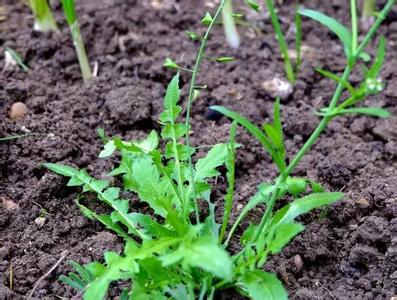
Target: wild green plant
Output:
{"points": [[177, 249], [44, 19], [290, 70], [229, 25], [71, 18]]}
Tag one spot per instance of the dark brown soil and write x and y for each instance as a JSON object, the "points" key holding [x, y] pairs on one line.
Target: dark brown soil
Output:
{"points": [[347, 252]]}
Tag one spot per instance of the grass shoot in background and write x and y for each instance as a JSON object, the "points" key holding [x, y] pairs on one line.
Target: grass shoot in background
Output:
{"points": [[44, 19], [71, 18], [180, 249], [229, 25]]}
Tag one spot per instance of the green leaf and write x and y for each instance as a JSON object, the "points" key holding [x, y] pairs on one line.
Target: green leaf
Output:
{"points": [[169, 63], [192, 35], [171, 99], [70, 11], [206, 166], [207, 20], [296, 185], [261, 285], [108, 150], [370, 111], [70, 280], [333, 25], [253, 4], [150, 143], [225, 59], [63, 170], [252, 129], [283, 234], [303, 205], [203, 253]]}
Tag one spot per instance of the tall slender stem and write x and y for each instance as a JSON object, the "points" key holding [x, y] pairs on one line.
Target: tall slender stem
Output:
{"points": [[199, 58], [353, 11]]}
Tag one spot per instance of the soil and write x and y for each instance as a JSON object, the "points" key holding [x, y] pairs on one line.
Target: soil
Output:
{"points": [[348, 251]]}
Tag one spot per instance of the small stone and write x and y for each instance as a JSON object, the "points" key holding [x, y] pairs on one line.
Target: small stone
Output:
{"points": [[18, 110], [8, 204], [40, 221], [278, 87], [298, 263], [362, 202]]}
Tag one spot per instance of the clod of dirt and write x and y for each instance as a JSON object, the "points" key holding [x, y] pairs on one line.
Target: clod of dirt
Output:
{"points": [[308, 53], [40, 221], [362, 202], [298, 263], [278, 87], [18, 110], [128, 105], [8, 204]]}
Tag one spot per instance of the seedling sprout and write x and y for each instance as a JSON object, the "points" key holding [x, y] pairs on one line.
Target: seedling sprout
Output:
{"points": [[229, 25]]}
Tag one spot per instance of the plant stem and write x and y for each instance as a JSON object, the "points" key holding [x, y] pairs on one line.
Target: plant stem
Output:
{"points": [[353, 11], [231, 182], [199, 58], [289, 70], [80, 50], [229, 25]]}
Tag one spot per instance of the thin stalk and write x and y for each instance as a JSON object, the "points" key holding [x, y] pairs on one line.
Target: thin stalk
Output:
{"points": [[81, 52], [44, 19], [231, 182], [229, 25], [199, 58], [289, 70], [353, 11], [71, 18]]}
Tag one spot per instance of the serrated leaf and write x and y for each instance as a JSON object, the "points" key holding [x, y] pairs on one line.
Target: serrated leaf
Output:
{"points": [[206, 167], [171, 99], [283, 234], [333, 25], [261, 285], [63, 170], [150, 143]]}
